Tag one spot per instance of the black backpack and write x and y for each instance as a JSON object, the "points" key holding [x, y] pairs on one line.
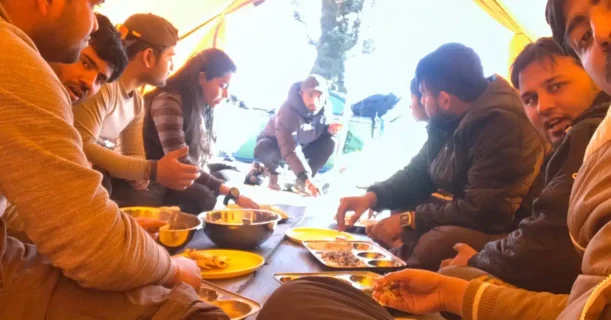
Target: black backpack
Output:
{"points": [[375, 107]]}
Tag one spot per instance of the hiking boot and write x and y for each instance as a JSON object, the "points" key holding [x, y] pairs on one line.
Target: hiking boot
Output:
{"points": [[299, 188], [255, 175]]}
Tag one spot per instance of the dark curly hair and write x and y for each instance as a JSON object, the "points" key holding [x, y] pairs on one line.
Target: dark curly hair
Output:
{"points": [[107, 44], [538, 51]]}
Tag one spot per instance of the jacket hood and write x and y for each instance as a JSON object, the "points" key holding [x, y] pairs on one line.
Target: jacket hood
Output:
{"points": [[295, 101], [499, 94]]}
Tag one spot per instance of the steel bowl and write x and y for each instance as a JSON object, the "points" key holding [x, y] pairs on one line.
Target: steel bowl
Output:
{"points": [[239, 228], [179, 231]]}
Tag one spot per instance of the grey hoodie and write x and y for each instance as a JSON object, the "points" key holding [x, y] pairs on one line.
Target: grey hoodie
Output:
{"points": [[294, 126]]}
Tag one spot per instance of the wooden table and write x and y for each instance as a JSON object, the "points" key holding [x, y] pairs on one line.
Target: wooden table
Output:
{"points": [[286, 257]]}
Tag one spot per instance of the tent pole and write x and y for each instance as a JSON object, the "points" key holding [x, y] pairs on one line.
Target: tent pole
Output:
{"points": [[257, 2]]}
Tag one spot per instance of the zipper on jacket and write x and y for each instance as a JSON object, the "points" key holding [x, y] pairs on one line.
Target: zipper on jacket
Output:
{"points": [[595, 294]]}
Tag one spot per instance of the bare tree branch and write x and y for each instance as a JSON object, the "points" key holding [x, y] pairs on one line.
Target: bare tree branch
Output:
{"points": [[298, 16]]}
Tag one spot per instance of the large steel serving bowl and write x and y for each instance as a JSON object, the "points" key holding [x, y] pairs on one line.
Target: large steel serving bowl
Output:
{"points": [[239, 228], [183, 228]]}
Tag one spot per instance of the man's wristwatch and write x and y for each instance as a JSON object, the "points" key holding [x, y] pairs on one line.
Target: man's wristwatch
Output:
{"points": [[406, 220], [233, 194]]}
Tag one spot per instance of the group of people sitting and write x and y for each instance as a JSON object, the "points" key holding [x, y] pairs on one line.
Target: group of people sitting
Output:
{"points": [[524, 236], [152, 150], [80, 137], [526, 232]]}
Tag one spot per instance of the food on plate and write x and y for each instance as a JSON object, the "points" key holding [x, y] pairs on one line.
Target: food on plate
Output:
{"points": [[283, 215], [337, 245], [342, 258], [207, 261], [386, 292]]}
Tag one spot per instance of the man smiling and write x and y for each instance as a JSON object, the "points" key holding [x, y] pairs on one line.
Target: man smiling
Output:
{"points": [[570, 107], [102, 61]]}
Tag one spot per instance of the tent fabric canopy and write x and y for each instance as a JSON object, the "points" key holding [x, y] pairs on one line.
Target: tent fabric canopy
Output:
{"points": [[202, 23], [498, 12]]}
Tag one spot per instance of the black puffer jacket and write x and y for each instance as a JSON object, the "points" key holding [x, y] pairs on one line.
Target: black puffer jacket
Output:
{"points": [[539, 255], [488, 159]]}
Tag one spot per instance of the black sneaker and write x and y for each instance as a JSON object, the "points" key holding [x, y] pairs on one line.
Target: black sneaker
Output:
{"points": [[299, 188]]}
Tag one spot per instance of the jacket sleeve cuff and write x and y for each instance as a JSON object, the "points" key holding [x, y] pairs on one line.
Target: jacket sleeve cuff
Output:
{"points": [[381, 198], [480, 301], [423, 222], [214, 184]]}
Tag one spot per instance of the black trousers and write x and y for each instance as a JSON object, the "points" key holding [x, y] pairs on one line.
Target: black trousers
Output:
{"points": [[317, 152], [428, 250], [195, 199], [321, 299]]}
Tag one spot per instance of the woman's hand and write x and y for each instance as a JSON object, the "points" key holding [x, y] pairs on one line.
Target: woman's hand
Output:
{"points": [[246, 203]]}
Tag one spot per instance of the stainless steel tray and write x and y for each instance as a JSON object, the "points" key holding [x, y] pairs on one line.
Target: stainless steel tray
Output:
{"points": [[362, 280], [236, 306], [353, 255]]}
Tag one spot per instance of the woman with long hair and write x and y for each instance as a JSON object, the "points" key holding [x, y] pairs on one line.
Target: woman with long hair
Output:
{"points": [[182, 114]]}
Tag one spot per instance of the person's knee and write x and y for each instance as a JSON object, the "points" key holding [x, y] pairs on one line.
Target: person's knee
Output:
{"points": [[268, 152], [126, 196], [265, 147], [328, 144], [434, 246], [196, 199]]}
